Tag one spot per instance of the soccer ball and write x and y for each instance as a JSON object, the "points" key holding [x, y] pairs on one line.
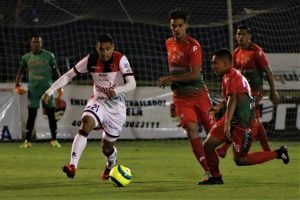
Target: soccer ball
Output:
{"points": [[120, 176]]}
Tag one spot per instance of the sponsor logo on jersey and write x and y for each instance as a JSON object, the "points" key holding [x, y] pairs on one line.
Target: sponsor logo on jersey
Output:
{"points": [[102, 74]]}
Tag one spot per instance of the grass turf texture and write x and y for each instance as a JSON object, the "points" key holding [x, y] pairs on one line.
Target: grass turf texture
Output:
{"points": [[161, 170]]}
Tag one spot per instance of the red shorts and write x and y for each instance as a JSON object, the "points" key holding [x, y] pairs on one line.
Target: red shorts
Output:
{"points": [[194, 109], [241, 137]]}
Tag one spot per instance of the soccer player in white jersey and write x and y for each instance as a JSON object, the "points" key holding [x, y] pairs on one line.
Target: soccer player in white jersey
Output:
{"points": [[106, 107]]}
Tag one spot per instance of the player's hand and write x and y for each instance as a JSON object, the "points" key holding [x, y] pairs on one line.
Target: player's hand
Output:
{"points": [[45, 98], [19, 89], [274, 97], [60, 93], [164, 81], [227, 130], [110, 94]]}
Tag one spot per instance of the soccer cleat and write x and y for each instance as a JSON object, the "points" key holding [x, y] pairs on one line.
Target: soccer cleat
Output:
{"points": [[282, 153], [26, 144], [212, 181], [207, 175], [54, 143], [105, 174], [69, 170]]}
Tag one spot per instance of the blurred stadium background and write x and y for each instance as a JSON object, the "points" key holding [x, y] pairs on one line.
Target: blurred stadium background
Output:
{"points": [[70, 28]]}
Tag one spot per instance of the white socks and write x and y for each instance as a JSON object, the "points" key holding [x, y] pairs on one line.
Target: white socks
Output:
{"points": [[78, 146], [111, 160]]}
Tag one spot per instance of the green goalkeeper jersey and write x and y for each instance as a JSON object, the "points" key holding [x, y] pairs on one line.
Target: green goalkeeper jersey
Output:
{"points": [[40, 68]]}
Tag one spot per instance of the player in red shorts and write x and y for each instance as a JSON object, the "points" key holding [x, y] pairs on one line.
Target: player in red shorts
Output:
{"points": [[190, 94], [238, 122], [251, 60]]}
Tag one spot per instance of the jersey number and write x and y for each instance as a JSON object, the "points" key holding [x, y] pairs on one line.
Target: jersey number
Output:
{"points": [[93, 107]]}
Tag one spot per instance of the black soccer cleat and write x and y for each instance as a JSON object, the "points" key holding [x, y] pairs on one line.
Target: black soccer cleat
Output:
{"points": [[212, 181], [282, 153]]}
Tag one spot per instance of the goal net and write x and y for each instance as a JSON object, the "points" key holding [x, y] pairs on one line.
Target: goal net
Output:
{"points": [[140, 28]]}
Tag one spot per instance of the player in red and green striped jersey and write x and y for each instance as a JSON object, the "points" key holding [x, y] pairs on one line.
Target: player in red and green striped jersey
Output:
{"points": [[252, 62], [238, 125], [190, 94]]}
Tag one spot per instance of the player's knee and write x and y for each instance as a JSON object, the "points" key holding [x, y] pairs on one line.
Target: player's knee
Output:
{"points": [[86, 119], [87, 124], [83, 133]]}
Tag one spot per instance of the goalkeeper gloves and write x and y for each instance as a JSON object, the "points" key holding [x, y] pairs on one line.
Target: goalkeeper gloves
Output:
{"points": [[19, 89]]}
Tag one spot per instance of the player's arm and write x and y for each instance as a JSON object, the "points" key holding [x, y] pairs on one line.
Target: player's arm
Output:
{"points": [[18, 88], [19, 75], [263, 63], [190, 76], [195, 66], [231, 106], [80, 67], [56, 74], [273, 93], [59, 83], [127, 87], [130, 83]]}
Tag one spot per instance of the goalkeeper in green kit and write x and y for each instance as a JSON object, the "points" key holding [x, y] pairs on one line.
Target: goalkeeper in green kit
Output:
{"points": [[41, 67]]}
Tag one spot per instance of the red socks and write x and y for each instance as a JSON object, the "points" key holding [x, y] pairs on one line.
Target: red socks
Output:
{"points": [[199, 153]]}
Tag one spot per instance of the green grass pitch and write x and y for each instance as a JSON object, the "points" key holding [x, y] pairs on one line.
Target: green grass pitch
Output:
{"points": [[162, 169]]}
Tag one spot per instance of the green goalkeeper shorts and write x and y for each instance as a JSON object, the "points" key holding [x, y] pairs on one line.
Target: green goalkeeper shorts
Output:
{"points": [[34, 98]]}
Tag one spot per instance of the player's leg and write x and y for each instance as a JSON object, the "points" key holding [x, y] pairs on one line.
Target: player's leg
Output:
{"points": [[33, 105], [53, 126], [32, 112], [91, 118], [241, 146], [197, 146], [189, 119], [110, 153], [50, 112], [261, 132], [262, 137], [208, 122], [79, 144], [213, 140], [112, 126]]}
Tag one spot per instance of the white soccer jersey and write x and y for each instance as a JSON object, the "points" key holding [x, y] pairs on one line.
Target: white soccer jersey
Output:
{"points": [[106, 75], [110, 114]]}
